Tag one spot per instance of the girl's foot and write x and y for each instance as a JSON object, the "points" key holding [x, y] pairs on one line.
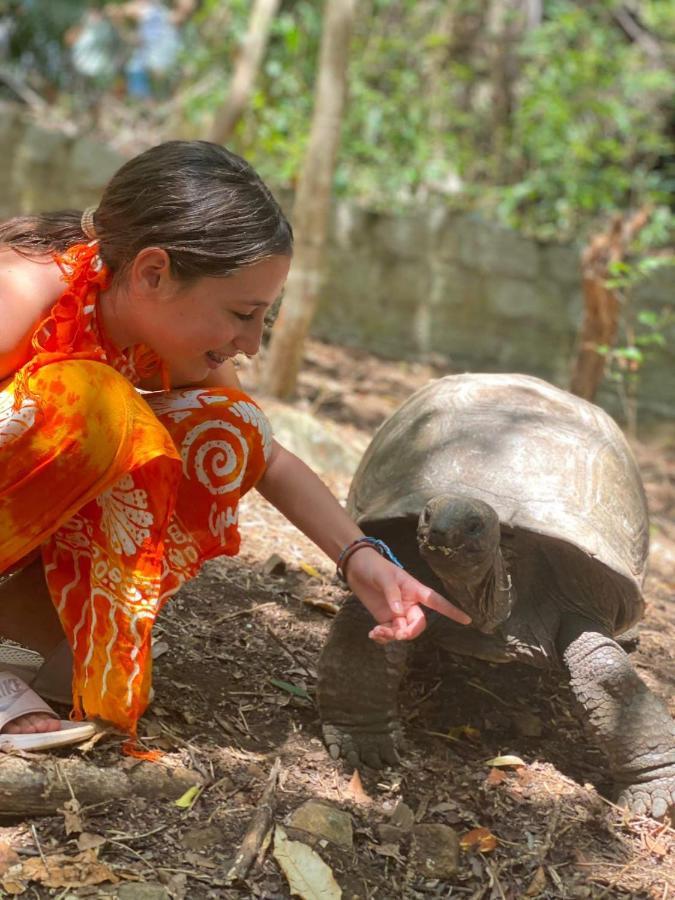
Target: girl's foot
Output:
{"points": [[33, 723], [27, 723]]}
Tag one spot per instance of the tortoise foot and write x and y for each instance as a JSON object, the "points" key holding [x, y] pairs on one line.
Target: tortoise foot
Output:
{"points": [[356, 747], [652, 798]]}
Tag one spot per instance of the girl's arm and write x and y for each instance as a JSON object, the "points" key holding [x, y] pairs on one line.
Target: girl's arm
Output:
{"points": [[392, 596]]}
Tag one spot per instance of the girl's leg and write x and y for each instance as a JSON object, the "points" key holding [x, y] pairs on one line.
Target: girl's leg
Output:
{"points": [[27, 614], [88, 429], [224, 441]]}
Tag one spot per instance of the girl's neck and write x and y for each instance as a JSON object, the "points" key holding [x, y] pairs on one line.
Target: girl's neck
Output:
{"points": [[112, 305]]}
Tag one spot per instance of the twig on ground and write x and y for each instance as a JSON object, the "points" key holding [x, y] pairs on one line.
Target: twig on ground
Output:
{"points": [[550, 831], [423, 699], [494, 877], [134, 853], [243, 612], [207, 879], [257, 830], [136, 837], [617, 878], [286, 649], [39, 847], [479, 687]]}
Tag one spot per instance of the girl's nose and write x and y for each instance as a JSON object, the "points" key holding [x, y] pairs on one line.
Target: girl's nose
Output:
{"points": [[249, 338]]}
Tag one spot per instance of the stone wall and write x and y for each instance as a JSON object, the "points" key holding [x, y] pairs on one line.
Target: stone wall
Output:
{"points": [[438, 282], [479, 295]]}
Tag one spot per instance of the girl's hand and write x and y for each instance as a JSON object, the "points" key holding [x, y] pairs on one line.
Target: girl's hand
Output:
{"points": [[394, 598]]}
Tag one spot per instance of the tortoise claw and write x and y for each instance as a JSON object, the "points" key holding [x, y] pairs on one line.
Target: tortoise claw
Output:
{"points": [[375, 750], [655, 799]]}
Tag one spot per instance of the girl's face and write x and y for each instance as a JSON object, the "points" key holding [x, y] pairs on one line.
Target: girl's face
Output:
{"points": [[193, 327]]}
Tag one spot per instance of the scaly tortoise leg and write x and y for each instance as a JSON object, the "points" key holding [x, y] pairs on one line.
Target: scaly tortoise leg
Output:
{"points": [[358, 690], [630, 723]]}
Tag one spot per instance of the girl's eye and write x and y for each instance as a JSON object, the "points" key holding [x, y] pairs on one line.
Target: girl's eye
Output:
{"points": [[245, 317]]}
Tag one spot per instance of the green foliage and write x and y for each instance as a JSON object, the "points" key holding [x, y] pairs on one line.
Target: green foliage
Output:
{"points": [[274, 131], [584, 131], [590, 124], [644, 332]]}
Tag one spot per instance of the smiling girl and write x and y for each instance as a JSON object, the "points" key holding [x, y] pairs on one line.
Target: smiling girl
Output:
{"points": [[112, 498]]}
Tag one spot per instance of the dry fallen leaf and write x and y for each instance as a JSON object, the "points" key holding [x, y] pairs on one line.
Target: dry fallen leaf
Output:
{"points": [[481, 839], [495, 777], [195, 859], [324, 606], [90, 841], [505, 761], [392, 851], [307, 874], [538, 883], [62, 871], [72, 819], [355, 789], [11, 884], [8, 857], [658, 848]]}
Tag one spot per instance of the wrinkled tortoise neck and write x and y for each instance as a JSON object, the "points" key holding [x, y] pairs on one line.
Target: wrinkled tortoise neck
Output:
{"points": [[459, 537]]}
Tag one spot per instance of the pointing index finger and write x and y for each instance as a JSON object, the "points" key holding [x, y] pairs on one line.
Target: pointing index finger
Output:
{"points": [[444, 607]]}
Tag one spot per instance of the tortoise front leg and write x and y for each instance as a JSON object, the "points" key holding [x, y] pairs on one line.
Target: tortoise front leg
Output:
{"points": [[358, 690], [625, 718]]}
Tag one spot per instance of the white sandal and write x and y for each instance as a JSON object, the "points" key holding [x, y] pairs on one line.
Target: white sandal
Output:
{"points": [[17, 699], [19, 660]]}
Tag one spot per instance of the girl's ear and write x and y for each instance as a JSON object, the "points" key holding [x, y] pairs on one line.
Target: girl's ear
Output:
{"points": [[151, 270]]}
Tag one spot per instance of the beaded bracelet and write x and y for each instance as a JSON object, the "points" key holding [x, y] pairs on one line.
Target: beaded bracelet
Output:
{"points": [[358, 544]]}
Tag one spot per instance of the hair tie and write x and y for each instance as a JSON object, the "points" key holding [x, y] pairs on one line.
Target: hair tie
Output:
{"points": [[87, 223]]}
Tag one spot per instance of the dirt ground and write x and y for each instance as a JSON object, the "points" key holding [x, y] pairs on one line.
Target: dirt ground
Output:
{"points": [[235, 690]]}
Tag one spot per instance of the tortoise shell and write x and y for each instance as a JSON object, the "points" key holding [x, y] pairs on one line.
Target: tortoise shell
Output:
{"points": [[548, 462]]}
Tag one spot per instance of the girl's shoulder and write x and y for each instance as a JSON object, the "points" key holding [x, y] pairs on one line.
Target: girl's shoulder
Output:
{"points": [[29, 287], [35, 275]]}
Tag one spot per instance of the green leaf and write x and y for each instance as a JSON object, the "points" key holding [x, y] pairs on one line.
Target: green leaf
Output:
{"points": [[188, 798], [290, 688]]}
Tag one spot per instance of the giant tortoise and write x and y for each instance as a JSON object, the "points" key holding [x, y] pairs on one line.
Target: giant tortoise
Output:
{"points": [[523, 505]]}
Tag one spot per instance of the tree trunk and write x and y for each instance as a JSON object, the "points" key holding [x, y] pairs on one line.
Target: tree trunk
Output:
{"points": [[507, 20], [312, 204], [601, 304], [246, 70]]}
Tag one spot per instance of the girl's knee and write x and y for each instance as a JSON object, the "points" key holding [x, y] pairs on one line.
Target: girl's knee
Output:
{"points": [[217, 430], [85, 405]]}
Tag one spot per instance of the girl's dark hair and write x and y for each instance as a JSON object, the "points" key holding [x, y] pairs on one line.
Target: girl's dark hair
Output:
{"points": [[201, 203]]}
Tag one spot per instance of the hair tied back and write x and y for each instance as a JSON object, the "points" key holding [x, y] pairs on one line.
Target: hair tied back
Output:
{"points": [[87, 223]]}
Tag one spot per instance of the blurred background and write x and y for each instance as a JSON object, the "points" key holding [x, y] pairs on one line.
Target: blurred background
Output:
{"points": [[485, 146]]}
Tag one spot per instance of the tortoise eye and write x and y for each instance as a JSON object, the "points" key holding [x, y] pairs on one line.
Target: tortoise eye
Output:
{"points": [[474, 527]]}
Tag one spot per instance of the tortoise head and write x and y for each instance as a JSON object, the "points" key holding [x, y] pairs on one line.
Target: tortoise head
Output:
{"points": [[459, 539]]}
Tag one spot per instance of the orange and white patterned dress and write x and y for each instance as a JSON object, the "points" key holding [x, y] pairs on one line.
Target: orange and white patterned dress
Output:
{"points": [[125, 495]]}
